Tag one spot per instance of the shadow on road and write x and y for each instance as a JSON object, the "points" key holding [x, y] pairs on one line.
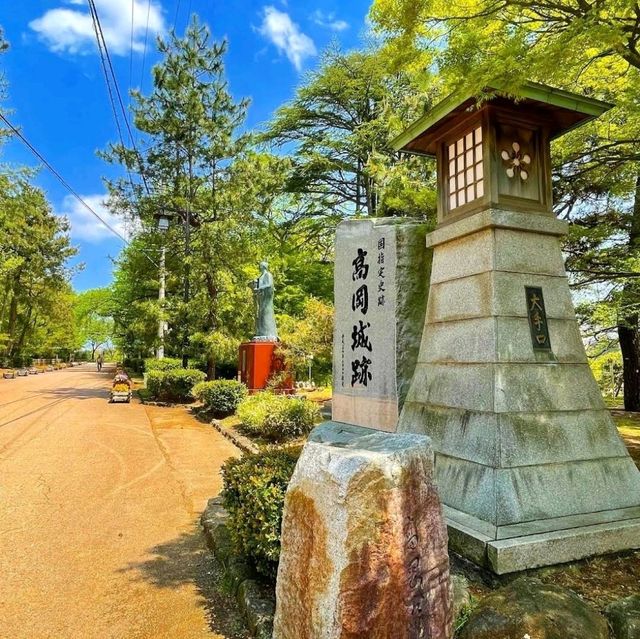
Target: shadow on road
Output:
{"points": [[79, 393], [186, 560]]}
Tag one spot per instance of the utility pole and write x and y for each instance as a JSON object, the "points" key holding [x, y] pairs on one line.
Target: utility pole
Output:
{"points": [[161, 296], [187, 253], [187, 267]]}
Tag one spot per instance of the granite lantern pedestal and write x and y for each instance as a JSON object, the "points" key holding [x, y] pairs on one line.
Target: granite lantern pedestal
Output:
{"points": [[529, 465], [364, 542]]}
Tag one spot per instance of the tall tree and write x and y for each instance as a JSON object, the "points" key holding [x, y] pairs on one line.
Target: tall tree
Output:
{"points": [[340, 124], [34, 249], [93, 319], [189, 128]]}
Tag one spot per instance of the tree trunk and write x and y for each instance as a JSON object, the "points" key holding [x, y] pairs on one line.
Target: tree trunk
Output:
{"points": [[628, 320], [23, 334], [629, 337], [212, 292]]}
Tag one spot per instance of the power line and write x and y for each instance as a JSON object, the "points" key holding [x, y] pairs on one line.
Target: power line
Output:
{"points": [[106, 75], [59, 177], [103, 64], [101, 38], [67, 186], [144, 51], [175, 18], [131, 48]]}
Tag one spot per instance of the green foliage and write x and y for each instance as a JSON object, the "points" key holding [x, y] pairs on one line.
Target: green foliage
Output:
{"points": [[93, 319], [309, 336], [278, 417], [164, 364], [221, 396], [174, 385], [464, 615], [254, 490], [341, 121], [36, 315], [586, 47]]}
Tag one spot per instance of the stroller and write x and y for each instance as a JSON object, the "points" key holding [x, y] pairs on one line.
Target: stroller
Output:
{"points": [[121, 389]]}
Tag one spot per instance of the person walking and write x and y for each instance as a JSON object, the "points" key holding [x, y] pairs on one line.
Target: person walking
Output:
{"points": [[99, 362]]}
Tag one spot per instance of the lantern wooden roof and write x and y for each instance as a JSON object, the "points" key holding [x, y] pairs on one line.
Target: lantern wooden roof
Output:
{"points": [[561, 109]]}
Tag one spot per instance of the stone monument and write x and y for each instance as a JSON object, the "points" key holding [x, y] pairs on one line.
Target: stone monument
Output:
{"points": [[381, 286], [364, 542], [529, 465], [257, 359]]}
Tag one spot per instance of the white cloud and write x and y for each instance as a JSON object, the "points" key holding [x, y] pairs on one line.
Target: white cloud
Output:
{"points": [[279, 29], [71, 30], [328, 21], [85, 226]]}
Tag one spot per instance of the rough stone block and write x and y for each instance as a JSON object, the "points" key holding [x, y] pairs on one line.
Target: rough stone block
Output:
{"points": [[461, 298], [561, 546], [545, 387], [513, 341], [548, 437], [440, 385], [455, 432], [258, 607], [509, 295], [468, 340], [529, 608], [364, 545], [530, 493], [624, 617]]}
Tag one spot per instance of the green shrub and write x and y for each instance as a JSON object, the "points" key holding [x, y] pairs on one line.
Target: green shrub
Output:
{"points": [[173, 385], [278, 417], [221, 396], [254, 490], [164, 364]]}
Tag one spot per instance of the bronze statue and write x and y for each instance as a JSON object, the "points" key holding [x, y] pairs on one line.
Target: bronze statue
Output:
{"points": [[262, 288]]}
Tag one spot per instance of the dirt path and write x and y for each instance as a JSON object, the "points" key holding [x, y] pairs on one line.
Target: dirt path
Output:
{"points": [[98, 515]]}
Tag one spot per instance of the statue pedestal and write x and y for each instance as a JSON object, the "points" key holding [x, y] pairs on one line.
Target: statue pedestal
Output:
{"points": [[257, 363]]}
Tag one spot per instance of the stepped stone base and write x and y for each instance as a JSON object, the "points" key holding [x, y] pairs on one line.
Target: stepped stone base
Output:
{"points": [[528, 462], [531, 546]]}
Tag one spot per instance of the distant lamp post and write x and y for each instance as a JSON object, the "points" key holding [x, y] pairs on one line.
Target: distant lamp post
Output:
{"points": [[310, 364], [163, 219]]}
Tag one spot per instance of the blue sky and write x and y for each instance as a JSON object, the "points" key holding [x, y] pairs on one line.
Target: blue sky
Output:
{"points": [[58, 96]]}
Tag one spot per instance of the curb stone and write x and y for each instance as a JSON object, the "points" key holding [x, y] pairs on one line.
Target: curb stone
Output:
{"points": [[242, 442], [256, 600]]}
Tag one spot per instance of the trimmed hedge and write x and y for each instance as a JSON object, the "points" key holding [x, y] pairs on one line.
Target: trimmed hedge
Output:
{"points": [[221, 396], [254, 490], [164, 364], [173, 385], [278, 417]]}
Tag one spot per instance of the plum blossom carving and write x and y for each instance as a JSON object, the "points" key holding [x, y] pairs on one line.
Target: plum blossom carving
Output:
{"points": [[518, 161]]}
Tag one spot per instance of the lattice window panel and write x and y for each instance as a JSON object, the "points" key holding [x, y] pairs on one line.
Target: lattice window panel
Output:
{"points": [[466, 172]]}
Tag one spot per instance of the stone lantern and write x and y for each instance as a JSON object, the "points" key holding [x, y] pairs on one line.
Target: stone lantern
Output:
{"points": [[529, 465]]}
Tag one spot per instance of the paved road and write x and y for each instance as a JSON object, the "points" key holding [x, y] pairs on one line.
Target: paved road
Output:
{"points": [[98, 515]]}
